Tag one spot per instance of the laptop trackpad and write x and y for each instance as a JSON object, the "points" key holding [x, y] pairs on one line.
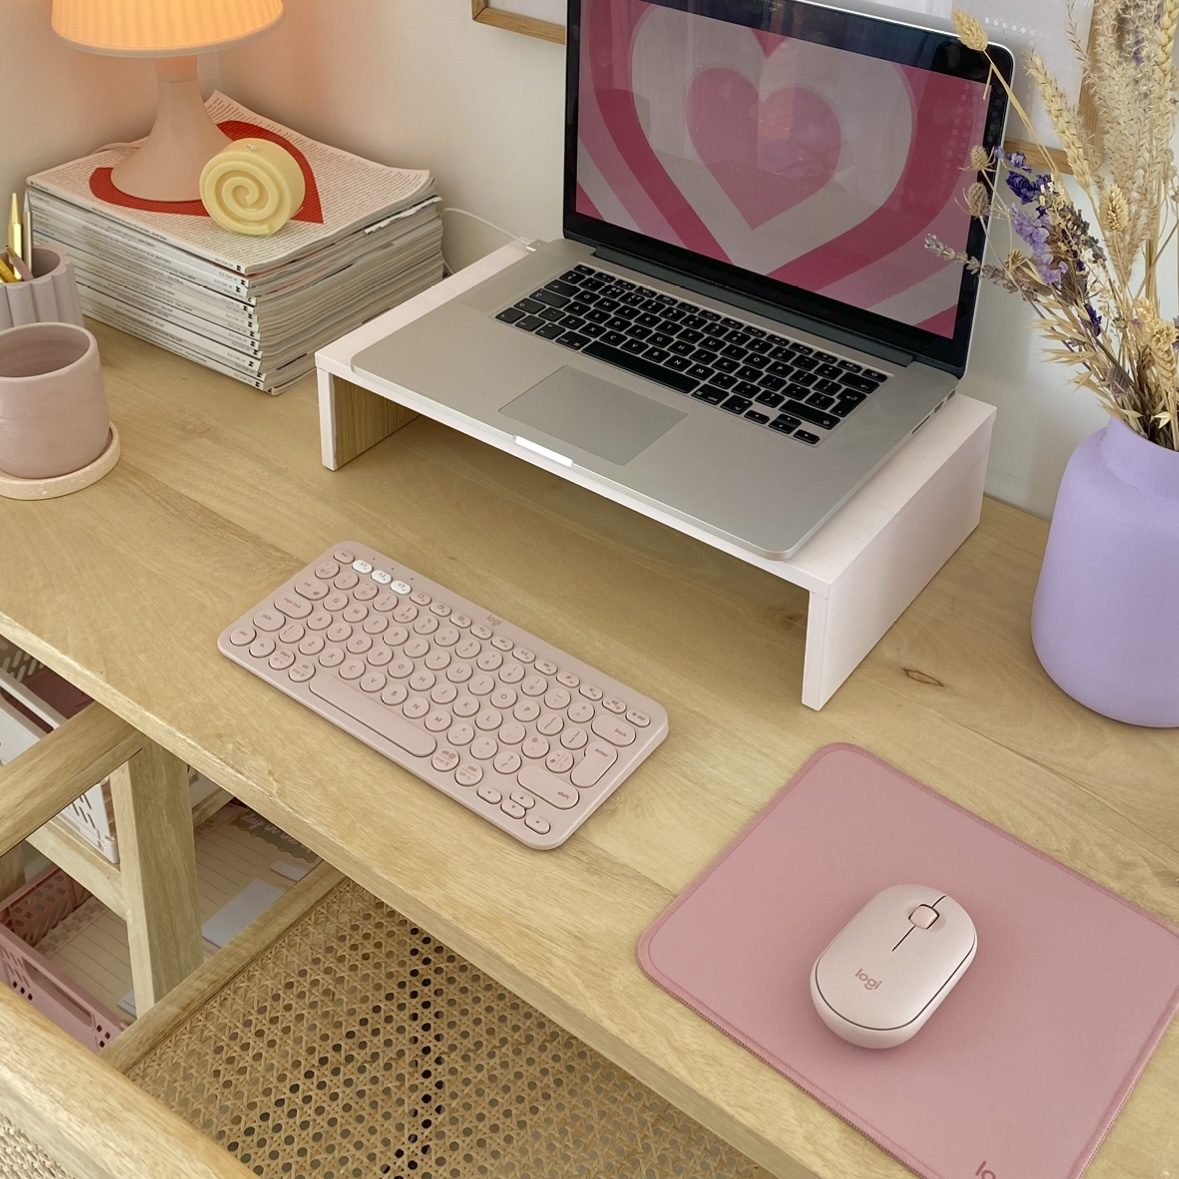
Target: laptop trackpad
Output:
{"points": [[594, 415]]}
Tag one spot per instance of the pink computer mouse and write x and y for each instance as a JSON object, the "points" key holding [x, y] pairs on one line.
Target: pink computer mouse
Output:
{"points": [[891, 967]]}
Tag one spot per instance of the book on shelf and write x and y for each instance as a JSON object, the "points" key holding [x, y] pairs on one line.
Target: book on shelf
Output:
{"points": [[367, 236]]}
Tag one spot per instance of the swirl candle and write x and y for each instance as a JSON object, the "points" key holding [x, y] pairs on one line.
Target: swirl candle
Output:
{"points": [[253, 186]]}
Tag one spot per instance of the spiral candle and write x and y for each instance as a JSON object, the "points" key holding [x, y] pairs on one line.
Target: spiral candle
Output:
{"points": [[253, 186]]}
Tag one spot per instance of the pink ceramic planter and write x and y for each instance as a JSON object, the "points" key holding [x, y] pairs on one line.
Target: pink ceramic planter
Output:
{"points": [[53, 411]]}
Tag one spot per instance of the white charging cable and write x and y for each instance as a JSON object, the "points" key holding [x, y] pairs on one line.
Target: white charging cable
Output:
{"points": [[482, 221]]}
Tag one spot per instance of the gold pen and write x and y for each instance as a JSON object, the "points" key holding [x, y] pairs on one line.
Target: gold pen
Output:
{"points": [[7, 274], [16, 233]]}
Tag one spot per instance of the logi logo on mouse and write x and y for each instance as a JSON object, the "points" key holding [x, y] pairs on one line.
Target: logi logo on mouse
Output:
{"points": [[870, 984]]}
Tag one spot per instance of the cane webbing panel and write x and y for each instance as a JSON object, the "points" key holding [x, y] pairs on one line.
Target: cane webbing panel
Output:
{"points": [[358, 1046], [22, 1159]]}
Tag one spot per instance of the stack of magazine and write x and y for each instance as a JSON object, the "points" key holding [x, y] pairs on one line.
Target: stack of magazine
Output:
{"points": [[257, 308]]}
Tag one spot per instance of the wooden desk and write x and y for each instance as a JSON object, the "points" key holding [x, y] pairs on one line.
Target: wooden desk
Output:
{"points": [[220, 495]]}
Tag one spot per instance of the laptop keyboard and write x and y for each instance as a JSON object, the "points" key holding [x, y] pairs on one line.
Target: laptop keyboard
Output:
{"points": [[770, 380]]}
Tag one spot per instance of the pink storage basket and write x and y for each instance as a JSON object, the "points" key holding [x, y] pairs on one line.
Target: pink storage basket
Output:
{"points": [[26, 918]]}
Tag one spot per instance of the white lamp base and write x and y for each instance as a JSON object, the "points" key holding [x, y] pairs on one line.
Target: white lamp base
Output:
{"points": [[167, 165]]}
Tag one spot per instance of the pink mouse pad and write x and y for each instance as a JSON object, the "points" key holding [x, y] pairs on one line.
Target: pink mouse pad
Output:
{"points": [[1024, 1066]]}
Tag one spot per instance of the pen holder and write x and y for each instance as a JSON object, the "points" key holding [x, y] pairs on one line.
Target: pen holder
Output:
{"points": [[50, 296], [55, 435]]}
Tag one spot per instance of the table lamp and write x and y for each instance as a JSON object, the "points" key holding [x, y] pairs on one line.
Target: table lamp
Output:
{"points": [[167, 165]]}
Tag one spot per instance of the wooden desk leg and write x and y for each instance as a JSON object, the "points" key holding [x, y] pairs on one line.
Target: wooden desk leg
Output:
{"points": [[12, 872], [157, 861], [351, 419]]}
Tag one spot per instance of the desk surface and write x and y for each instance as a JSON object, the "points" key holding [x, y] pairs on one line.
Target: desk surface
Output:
{"points": [[220, 496]]}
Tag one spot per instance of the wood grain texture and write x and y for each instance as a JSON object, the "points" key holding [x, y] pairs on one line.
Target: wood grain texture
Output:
{"points": [[530, 26], [12, 871], [81, 860], [101, 1126], [157, 866], [59, 768], [220, 496], [355, 419]]}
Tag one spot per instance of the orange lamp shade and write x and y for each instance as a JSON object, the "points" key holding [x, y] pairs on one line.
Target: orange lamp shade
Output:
{"points": [[161, 28]]}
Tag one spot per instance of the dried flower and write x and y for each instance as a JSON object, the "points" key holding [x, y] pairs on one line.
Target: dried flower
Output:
{"points": [[978, 201], [980, 158], [970, 31]]}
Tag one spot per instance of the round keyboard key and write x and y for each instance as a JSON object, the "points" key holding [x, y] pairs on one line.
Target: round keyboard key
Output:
{"points": [[365, 592], [534, 746], [460, 733], [332, 657], [319, 620], [281, 660], [447, 636], [441, 609], [438, 660], [344, 556], [480, 685], [339, 632], [574, 738], [537, 824], [393, 695], [379, 657], [638, 718], [613, 704], [512, 733], [511, 673], [373, 681], [507, 761], [376, 625], [501, 643], [301, 671], [416, 707], [520, 796], [335, 601], [423, 680], [420, 597], [269, 620], [416, 647], [400, 587], [400, 668], [381, 577], [311, 589], [362, 566], [443, 693], [406, 612], [524, 655], [445, 760], [484, 748], [242, 636], [534, 685], [359, 644], [489, 720], [352, 669], [560, 761], [503, 697], [461, 620], [396, 635], [346, 581], [487, 793], [557, 698], [458, 673], [261, 647], [426, 625], [546, 667], [386, 602], [357, 612], [590, 692], [567, 679], [489, 661], [512, 809], [581, 711], [438, 721], [481, 632], [291, 633], [326, 570], [466, 707], [292, 605], [616, 731], [468, 648], [550, 724], [526, 710], [311, 645]]}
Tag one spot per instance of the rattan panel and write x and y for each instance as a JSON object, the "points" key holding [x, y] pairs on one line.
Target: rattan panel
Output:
{"points": [[22, 1159], [357, 1046]]}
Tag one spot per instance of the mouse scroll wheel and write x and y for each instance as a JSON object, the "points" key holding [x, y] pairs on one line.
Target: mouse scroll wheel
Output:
{"points": [[923, 916]]}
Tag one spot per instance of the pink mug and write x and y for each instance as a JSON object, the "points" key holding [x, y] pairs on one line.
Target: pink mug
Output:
{"points": [[53, 412]]}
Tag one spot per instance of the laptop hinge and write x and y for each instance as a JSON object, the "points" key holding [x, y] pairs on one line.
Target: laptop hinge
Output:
{"points": [[793, 319]]}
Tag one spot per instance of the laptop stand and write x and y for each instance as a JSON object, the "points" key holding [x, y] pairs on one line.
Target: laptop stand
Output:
{"points": [[861, 569]]}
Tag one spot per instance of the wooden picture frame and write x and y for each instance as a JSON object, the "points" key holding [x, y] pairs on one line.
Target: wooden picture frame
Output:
{"points": [[530, 26]]}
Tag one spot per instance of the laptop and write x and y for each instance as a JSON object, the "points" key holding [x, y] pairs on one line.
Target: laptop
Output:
{"points": [[743, 321]]}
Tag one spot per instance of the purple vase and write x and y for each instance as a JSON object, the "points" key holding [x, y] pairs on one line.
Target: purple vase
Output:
{"points": [[1105, 623]]}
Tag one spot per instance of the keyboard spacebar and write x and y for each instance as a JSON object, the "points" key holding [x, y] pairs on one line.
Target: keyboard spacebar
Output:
{"points": [[373, 715], [641, 367]]}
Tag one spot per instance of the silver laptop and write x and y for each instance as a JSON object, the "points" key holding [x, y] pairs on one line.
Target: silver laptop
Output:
{"points": [[743, 321]]}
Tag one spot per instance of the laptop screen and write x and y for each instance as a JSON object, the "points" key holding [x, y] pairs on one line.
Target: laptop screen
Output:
{"points": [[807, 147]]}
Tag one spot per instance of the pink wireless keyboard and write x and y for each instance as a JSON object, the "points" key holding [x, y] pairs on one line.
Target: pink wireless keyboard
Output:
{"points": [[522, 734]]}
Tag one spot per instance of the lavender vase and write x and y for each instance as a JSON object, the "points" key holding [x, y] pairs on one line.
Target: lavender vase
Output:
{"points": [[1105, 623]]}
